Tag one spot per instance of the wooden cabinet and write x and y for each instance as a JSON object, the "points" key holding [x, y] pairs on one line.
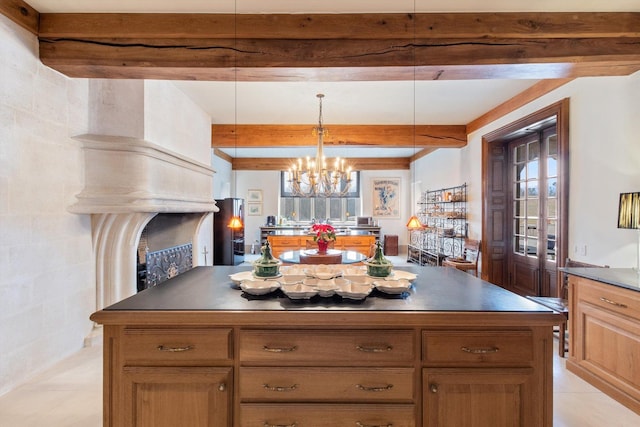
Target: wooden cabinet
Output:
{"points": [[194, 351], [175, 396], [604, 332], [344, 371], [502, 397], [358, 243], [481, 378], [164, 377]]}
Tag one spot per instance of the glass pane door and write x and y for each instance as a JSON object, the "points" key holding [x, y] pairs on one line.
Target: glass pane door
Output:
{"points": [[526, 198]]}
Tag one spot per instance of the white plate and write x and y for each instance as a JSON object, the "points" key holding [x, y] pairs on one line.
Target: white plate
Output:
{"points": [[240, 276], [325, 288], [292, 270], [299, 291], [323, 271], [393, 286], [259, 287], [354, 270], [400, 274], [265, 277], [359, 279], [353, 291], [290, 279]]}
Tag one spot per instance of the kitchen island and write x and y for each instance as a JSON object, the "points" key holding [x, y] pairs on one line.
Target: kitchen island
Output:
{"points": [[197, 351]]}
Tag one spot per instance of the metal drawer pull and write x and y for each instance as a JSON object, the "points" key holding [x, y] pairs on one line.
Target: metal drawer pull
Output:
{"points": [[480, 350], [359, 424], [280, 388], [374, 348], [266, 424], [433, 387], [383, 388], [617, 304], [222, 387], [175, 349], [280, 349]]}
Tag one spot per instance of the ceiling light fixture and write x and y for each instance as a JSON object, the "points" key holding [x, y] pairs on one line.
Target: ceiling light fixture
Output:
{"points": [[414, 222], [312, 178], [235, 223]]}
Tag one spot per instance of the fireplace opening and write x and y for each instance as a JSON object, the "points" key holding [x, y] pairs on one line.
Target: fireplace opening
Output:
{"points": [[165, 248]]}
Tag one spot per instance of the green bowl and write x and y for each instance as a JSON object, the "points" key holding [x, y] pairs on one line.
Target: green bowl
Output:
{"points": [[377, 270], [266, 270]]}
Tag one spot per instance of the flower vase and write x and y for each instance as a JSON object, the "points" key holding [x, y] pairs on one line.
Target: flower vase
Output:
{"points": [[322, 246]]}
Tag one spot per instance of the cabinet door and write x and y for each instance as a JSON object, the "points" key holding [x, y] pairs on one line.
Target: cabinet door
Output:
{"points": [[481, 397], [176, 396]]}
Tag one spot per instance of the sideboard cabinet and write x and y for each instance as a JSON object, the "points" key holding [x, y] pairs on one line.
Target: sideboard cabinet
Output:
{"points": [[359, 243], [604, 338]]}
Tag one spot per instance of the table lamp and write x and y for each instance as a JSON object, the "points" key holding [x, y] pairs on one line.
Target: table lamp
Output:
{"points": [[629, 216]]}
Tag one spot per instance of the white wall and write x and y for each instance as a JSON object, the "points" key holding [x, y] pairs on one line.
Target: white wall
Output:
{"points": [[604, 161], [175, 122], [47, 285]]}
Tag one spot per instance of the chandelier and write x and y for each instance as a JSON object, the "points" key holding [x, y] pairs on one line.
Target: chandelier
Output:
{"points": [[312, 178]]}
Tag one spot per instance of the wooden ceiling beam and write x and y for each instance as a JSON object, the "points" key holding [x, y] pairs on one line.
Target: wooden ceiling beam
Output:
{"points": [[21, 13], [205, 46], [282, 164], [520, 25], [387, 136]]}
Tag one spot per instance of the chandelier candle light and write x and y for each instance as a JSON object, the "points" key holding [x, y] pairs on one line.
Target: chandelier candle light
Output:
{"points": [[312, 178]]}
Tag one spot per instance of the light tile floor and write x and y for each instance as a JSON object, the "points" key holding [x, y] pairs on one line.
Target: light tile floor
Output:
{"points": [[70, 395]]}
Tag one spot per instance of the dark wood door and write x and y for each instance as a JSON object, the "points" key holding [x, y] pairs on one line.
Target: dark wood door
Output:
{"points": [[521, 250], [533, 212]]}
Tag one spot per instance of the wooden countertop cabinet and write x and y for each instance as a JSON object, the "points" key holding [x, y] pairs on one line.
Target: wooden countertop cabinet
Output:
{"points": [[604, 332], [195, 352], [283, 243]]}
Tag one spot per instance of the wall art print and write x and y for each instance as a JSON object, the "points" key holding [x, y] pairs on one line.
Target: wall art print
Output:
{"points": [[386, 197]]}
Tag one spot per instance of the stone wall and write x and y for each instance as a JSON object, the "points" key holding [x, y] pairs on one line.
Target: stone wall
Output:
{"points": [[47, 284]]}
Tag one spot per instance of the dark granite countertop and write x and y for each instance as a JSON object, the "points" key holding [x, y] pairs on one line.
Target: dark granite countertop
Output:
{"points": [[622, 277], [437, 289]]}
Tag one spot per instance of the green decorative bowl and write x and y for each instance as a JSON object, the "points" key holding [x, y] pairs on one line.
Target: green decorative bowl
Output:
{"points": [[266, 270], [378, 270]]}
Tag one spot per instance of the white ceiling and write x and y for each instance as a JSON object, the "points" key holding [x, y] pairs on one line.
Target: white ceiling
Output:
{"points": [[390, 102]]}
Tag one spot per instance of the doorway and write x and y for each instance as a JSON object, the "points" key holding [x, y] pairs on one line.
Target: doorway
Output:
{"points": [[525, 200]]}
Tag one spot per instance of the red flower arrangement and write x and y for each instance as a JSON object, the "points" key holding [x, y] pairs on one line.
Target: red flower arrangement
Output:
{"points": [[324, 232]]}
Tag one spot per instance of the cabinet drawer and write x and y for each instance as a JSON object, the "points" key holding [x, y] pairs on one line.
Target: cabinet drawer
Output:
{"points": [[326, 384], [322, 415], [353, 348], [609, 297], [285, 241], [189, 345], [484, 348]]}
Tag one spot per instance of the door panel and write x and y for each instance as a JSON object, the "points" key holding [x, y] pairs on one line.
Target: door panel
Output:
{"points": [[534, 213]]}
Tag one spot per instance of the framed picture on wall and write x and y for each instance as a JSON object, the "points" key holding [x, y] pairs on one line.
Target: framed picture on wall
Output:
{"points": [[386, 197], [254, 196], [254, 209]]}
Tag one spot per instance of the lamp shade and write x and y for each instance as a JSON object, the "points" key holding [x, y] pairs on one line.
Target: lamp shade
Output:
{"points": [[414, 223], [235, 222], [629, 211]]}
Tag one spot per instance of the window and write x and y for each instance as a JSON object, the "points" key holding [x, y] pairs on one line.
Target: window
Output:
{"points": [[320, 208]]}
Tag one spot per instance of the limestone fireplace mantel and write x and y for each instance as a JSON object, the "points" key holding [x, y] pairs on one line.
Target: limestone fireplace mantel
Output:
{"points": [[128, 181]]}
